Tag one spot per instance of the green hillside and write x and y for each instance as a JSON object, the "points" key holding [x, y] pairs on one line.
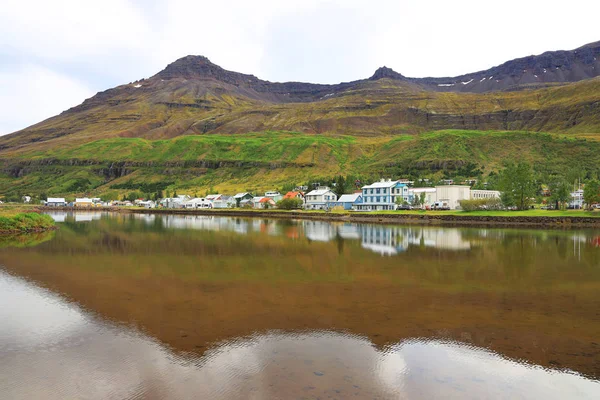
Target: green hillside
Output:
{"points": [[203, 133], [262, 161]]}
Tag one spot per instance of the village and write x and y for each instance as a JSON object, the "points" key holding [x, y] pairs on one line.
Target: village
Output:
{"points": [[383, 195]]}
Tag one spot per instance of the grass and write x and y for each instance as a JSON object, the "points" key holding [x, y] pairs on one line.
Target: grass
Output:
{"points": [[20, 220], [267, 160]]}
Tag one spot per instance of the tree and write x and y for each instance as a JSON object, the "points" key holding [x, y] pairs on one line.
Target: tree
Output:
{"points": [[290, 204], [340, 185], [518, 186], [416, 201], [422, 197], [560, 193], [401, 202], [133, 196], [591, 193]]}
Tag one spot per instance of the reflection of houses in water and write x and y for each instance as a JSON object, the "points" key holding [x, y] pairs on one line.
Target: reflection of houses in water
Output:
{"points": [[445, 239], [383, 239], [348, 231], [390, 240], [319, 231], [79, 216]]}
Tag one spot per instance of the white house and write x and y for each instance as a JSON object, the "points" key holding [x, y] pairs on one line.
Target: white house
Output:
{"points": [[83, 202], [477, 194], [266, 202], [449, 196], [198, 202], [320, 198], [276, 196], [242, 199], [223, 201], [56, 202], [256, 201], [382, 195], [147, 204], [429, 197], [576, 199]]}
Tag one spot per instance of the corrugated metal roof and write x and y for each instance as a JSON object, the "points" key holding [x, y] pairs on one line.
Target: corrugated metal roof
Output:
{"points": [[349, 198], [384, 184]]}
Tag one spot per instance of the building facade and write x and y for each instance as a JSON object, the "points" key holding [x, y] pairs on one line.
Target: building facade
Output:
{"points": [[477, 194], [449, 196], [320, 199], [56, 202], [428, 194], [349, 201], [383, 195]]}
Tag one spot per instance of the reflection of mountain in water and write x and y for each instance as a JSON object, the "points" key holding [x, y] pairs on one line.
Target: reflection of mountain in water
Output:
{"points": [[382, 239], [53, 349]]}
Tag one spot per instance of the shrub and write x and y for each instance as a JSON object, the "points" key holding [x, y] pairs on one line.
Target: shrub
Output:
{"points": [[481, 204], [289, 204], [26, 222]]}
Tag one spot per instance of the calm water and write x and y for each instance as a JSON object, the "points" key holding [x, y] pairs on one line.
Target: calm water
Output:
{"points": [[142, 306]]}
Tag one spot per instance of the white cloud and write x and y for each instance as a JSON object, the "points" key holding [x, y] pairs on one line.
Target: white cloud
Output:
{"points": [[33, 93], [103, 44]]}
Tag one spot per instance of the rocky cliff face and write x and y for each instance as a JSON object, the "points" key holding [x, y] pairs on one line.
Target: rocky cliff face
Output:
{"points": [[552, 67]]}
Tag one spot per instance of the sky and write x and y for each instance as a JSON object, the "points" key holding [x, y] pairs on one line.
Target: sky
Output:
{"points": [[54, 55]]}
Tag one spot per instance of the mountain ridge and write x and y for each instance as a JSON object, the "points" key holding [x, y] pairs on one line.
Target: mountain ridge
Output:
{"points": [[197, 124], [572, 65]]}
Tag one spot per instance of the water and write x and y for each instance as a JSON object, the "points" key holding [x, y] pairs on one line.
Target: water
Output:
{"points": [[143, 306]]}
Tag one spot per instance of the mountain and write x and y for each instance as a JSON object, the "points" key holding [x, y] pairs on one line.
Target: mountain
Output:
{"points": [[156, 129]]}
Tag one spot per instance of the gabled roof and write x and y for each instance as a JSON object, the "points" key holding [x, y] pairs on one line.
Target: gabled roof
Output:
{"points": [[319, 192], [240, 195], [290, 195], [384, 184], [349, 198], [56, 200], [83, 200], [266, 200], [213, 196]]}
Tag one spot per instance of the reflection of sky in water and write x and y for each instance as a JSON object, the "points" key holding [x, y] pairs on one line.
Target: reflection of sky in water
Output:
{"points": [[52, 349], [385, 240], [382, 239]]}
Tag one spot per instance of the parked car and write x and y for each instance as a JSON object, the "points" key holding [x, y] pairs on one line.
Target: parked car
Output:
{"points": [[403, 207]]}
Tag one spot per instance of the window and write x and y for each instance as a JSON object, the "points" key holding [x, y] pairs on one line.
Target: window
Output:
{"points": [[378, 199], [384, 190], [371, 191], [377, 190]]}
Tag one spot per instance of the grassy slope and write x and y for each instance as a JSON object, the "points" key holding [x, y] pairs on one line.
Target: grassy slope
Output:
{"points": [[377, 128], [308, 156]]}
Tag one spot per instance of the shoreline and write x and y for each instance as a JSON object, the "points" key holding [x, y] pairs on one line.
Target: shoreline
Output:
{"points": [[391, 218], [23, 221]]}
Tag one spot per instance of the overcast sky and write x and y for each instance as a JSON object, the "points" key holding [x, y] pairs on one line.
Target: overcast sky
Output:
{"points": [[54, 54]]}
